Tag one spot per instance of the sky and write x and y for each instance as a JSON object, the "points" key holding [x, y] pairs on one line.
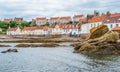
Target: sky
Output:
{"points": [[29, 9]]}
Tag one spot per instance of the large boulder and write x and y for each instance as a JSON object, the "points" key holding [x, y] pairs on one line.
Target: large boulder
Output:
{"points": [[98, 31], [106, 43]]}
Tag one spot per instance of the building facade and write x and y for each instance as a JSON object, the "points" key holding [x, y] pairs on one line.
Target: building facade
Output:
{"points": [[14, 31], [65, 19], [18, 19], [7, 19], [77, 18], [41, 20], [111, 22], [54, 20]]}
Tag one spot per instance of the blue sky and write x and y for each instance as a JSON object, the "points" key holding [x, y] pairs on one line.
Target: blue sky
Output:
{"points": [[29, 9]]}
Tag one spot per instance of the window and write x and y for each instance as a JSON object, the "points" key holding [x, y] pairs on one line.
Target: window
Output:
{"points": [[111, 26], [91, 25], [94, 25], [98, 24], [116, 25]]}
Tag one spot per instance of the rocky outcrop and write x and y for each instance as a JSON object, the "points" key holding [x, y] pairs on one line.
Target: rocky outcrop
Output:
{"points": [[4, 45], [23, 45], [10, 50], [38, 45], [105, 44], [98, 31]]}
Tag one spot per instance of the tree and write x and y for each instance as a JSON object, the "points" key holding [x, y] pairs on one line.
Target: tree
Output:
{"points": [[47, 24], [13, 24], [70, 22]]}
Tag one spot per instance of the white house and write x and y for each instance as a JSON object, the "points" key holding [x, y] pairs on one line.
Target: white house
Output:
{"points": [[65, 19], [77, 18], [35, 30], [71, 29], [112, 22], [54, 20], [65, 29], [14, 31], [41, 21], [94, 22], [57, 29], [28, 30]]}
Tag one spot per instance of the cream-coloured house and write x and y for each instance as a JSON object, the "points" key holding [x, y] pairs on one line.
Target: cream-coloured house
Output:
{"points": [[14, 31], [57, 29], [28, 31], [35, 30], [41, 20], [94, 22]]}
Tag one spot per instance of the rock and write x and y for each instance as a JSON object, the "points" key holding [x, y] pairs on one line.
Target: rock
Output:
{"points": [[38, 45], [105, 44], [4, 45], [98, 31], [45, 45], [4, 52], [23, 45], [10, 50], [13, 50]]}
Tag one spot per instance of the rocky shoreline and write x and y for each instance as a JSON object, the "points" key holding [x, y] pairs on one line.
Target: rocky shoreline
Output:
{"points": [[5, 46], [38, 45]]}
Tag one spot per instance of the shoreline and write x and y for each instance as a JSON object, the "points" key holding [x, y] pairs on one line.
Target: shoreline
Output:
{"points": [[40, 40]]}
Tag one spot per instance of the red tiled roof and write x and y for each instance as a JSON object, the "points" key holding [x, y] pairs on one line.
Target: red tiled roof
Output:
{"points": [[78, 16], [69, 26], [82, 20], [65, 17], [60, 25], [42, 18], [12, 29], [98, 18], [116, 28], [35, 28], [116, 14], [54, 18], [66, 26], [45, 28], [114, 19], [30, 28]]}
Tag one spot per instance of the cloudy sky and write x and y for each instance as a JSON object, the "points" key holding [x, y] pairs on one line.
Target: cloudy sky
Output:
{"points": [[29, 9]]}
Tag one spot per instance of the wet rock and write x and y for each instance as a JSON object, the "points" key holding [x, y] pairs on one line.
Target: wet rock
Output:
{"points": [[23, 45], [4, 45], [10, 50], [38, 45], [45, 45]]}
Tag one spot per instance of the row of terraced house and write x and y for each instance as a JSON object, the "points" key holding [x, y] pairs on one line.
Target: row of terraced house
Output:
{"points": [[58, 27]]}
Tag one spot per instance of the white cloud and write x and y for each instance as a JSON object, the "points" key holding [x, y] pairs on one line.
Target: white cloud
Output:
{"points": [[34, 8]]}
